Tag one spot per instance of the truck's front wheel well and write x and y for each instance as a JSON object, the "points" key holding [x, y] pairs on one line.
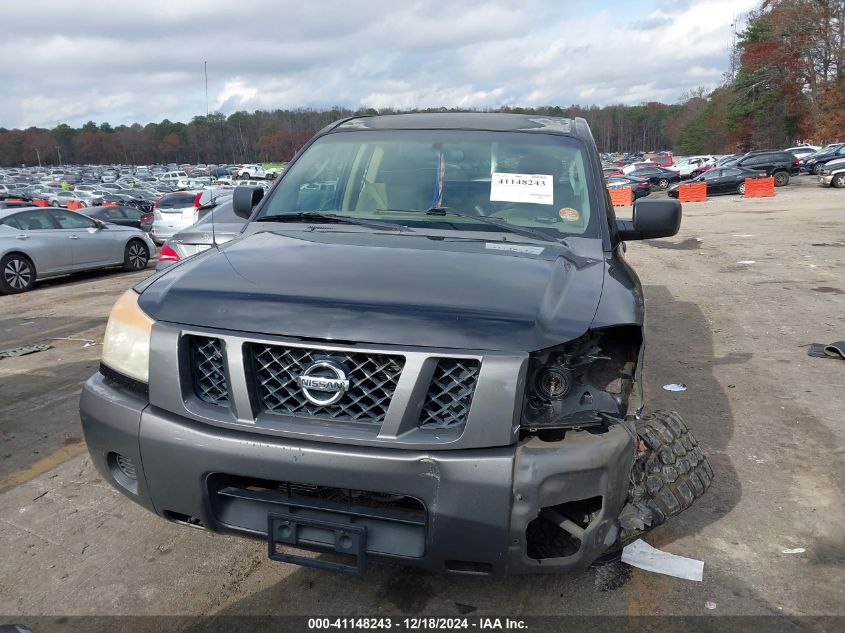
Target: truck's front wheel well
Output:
{"points": [[621, 346]]}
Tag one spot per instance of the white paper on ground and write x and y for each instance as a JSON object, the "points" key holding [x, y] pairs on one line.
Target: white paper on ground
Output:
{"points": [[641, 554], [530, 188]]}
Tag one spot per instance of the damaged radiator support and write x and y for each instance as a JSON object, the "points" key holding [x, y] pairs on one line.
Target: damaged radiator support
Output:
{"points": [[564, 523]]}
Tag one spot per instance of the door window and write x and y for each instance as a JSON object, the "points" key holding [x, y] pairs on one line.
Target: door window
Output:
{"points": [[114, 213], [11, 221], [131, 212], [35, 221], [76, 221], [756, 160]]}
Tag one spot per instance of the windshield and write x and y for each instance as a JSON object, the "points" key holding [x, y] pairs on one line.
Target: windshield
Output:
{"points": [[531, 180]]}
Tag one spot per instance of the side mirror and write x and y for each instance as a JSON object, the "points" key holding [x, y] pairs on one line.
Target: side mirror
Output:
{"points": [[651, 219], [244, 199]]}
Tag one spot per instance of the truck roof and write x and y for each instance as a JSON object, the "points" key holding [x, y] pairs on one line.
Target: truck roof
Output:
{"points": [[486, 121]]}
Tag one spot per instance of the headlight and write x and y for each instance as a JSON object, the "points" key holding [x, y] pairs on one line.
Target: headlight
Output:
{"points": [[126, 346], [580, 383], [552, 382]]}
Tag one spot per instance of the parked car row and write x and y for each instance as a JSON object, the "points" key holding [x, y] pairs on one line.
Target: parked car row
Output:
{"points": [[728, 173], [92, 185]]}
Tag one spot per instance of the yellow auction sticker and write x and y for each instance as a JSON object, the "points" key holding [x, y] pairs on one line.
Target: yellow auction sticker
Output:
{"points": [[568, 214]]}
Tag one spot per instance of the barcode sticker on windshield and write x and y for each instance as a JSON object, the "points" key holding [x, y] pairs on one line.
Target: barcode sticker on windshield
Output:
{"points": [[515, 248], [530, 188]]}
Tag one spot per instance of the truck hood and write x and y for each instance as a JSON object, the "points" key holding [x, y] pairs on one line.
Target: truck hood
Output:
{"points": [[392, 289]]}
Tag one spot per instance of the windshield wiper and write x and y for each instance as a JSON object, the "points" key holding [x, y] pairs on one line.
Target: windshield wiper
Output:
{"points": [[501, 223], [316, 216]]}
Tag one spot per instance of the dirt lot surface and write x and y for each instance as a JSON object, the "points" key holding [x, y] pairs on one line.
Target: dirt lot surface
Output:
{"points": [[732, 300]]}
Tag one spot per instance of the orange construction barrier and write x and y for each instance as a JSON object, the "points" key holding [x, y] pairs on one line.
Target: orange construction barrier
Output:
{"points": [[73, 205], [110, 204], [693, 192], [759, 188], [38, 202], [621, 196]]}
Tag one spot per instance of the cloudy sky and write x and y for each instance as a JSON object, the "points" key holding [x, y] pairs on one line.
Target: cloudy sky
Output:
{"points": [[143, 61]]}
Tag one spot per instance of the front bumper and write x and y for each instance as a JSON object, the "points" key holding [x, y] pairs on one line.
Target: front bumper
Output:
{"points": [[826, 179], [478, 503]]}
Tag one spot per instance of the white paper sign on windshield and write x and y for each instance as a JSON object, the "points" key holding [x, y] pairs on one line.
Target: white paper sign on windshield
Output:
{"points": [[530, 188]]}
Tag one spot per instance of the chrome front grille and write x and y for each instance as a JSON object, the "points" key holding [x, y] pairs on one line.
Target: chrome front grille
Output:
{"points": [[408, 397], [449, 396], [373, 379], [209, 371]]}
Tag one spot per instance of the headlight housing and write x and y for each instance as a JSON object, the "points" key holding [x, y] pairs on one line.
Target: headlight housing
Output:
{"points": [[580, 383], [126, 345]]}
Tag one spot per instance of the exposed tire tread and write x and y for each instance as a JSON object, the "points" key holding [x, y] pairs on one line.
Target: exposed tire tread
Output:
{"points": [[671, 475]]}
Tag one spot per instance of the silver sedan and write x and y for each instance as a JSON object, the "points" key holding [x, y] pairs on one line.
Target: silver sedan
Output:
{"points": [[37, 242]]}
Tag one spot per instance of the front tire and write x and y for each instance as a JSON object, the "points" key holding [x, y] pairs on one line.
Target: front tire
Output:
{"points": [[17, 274], [838, 181], [669, 474], [817, 169], [136, 256], [663, 183], [741, 189], [781, 178]]}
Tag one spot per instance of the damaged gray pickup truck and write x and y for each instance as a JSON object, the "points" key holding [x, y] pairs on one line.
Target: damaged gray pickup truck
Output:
{"points": [[425, 348]]}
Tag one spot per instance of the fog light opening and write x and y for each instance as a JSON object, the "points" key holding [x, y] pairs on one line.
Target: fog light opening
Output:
{"points": [[125, 465], [559, 530], [123, 471]]}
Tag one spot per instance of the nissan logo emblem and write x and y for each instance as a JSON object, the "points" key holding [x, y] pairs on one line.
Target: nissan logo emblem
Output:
{"points": [[323, 382]]}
